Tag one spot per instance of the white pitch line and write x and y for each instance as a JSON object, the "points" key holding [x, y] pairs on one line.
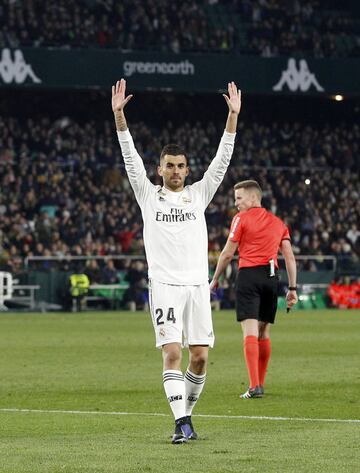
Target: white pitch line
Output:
{"points": [[104, 413], [211, 416]]}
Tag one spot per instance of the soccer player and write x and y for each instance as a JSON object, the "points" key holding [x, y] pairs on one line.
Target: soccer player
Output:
{"points": [[176, 246], [258, 235]]}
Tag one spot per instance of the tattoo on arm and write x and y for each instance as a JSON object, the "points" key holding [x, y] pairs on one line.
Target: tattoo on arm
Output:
{"points": [[120, 121]]}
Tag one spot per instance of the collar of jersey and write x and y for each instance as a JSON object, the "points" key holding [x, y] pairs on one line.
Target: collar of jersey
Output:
{"points": [[164, 191]]}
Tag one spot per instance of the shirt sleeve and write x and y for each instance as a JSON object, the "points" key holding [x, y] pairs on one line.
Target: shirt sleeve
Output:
{"points": [[215, 173], [235, 229], [286, 234], [134, 166]]}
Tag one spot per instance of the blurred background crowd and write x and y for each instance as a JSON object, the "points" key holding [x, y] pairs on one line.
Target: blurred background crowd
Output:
{"points": [[319, 28], [65, 191]]}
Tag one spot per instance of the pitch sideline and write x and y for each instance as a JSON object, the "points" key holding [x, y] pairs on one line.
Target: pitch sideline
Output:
{"points": [[211, 416]]}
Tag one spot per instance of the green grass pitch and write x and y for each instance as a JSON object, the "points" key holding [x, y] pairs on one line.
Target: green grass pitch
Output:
{"points": [[83, 393]]}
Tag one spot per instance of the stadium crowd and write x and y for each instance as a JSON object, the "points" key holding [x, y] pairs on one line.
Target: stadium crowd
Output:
{"points": [[64, 190], [261, 27]]}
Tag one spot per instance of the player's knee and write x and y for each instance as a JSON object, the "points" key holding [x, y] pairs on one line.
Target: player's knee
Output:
{"points": [[198, 363], [171, 357], [198, 367]]}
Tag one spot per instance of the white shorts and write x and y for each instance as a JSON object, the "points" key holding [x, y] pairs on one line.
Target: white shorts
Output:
{"points": [[181, 314]]}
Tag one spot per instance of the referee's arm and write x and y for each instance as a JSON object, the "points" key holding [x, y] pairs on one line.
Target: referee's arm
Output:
{"points": [[290, 263], [224, 259]]}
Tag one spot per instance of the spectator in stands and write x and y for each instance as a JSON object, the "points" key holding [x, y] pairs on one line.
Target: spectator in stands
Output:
{"points": [[93, 271], [353, 235], [136, 273], [258, 27], [345, 293], [136, 296], [109, 274]]}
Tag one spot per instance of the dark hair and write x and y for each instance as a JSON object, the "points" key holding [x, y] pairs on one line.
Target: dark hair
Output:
{"points": [[249, 185], [172, 149]]}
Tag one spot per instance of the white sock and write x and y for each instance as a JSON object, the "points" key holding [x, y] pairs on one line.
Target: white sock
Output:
{"points": [[174, 386], [193, 386]]}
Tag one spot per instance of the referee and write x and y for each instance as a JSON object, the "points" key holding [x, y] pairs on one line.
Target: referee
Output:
{"points": [[258, 235]]}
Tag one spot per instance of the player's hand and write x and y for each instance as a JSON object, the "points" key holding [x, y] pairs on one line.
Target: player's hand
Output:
{"points": [[118, 100], [234, 99], [291, 299], [213, 286]]}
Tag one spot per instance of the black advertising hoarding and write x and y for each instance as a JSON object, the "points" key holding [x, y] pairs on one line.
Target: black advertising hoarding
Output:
{"points": [[98, 68]]}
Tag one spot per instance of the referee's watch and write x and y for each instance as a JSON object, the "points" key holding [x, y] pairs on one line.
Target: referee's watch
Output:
{"points": [[292, 288]]}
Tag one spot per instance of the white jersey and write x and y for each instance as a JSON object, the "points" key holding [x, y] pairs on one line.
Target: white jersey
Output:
{"points": [[175, 232]]}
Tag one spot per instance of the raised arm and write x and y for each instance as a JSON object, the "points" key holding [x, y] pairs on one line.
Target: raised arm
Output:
{"points": [[218, 166], [233, 101], [133, 163], [118, 103]]}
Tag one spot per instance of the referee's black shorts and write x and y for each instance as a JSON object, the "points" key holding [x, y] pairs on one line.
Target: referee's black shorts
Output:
{"points": [[256, 294]]}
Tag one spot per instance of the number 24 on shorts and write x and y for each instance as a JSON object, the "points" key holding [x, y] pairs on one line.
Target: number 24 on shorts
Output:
{"points": [[160, 315]]}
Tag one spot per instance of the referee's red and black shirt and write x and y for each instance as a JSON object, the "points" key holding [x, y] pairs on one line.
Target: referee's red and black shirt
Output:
{"points": [[259, 234]]}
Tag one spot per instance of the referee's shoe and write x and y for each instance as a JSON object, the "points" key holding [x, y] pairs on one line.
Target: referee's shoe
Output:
{"points": [[184, 431], [252, 393]]}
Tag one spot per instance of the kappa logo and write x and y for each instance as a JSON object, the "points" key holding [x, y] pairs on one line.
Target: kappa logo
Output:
{"points": [[16, 70], [297, 78]]}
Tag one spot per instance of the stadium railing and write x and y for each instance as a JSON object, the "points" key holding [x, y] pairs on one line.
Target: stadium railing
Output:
{"points": [[329, 260], [69, 258], [24, 295]]}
